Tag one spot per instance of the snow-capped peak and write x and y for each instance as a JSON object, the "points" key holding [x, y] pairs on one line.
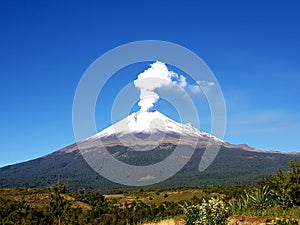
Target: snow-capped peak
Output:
{"points": [[152, 126]]}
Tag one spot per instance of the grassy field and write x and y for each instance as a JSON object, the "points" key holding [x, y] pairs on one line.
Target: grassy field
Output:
{"points": [[157, 197], [37, 198]]}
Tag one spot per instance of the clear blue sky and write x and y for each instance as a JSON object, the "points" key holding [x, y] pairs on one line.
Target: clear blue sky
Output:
{"points": [[253, 48]]}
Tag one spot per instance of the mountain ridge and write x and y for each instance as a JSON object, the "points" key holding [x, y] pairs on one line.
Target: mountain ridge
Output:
{"points": [[147, 144]]}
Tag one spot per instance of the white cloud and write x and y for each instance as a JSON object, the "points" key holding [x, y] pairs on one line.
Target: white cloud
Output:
{"points": [[195, 88], [182, 81], [201, 85]]}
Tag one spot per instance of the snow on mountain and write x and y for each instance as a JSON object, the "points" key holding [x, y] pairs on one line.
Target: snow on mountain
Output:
{"points": [[151, 127]]}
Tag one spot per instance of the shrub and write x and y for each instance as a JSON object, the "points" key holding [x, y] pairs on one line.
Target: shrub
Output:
{"points": [[257, 198], [238, 204], [278, 221], [209, 212], [285, 186]]}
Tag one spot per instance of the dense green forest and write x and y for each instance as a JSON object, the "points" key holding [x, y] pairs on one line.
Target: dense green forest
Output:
{"points": [[231, 167]]}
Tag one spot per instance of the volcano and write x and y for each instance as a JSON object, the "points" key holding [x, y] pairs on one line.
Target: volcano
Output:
{"points": [[145, 139], [150, 128]]}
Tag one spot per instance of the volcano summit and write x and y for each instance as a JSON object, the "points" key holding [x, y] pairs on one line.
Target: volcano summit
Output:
{"points": [[142, 147], [163, 146], [151, 128]]}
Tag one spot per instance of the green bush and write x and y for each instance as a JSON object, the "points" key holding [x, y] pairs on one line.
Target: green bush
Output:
{"points": [[278, 221], [209, 212], [285, 186], [238, 204], [256, 199], [260, 197]]}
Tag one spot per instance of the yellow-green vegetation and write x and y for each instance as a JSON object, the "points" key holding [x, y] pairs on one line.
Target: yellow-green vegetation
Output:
{"points": [[157, 197], [37, 198], [279, 221], [56, 205], [275, 196]]}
